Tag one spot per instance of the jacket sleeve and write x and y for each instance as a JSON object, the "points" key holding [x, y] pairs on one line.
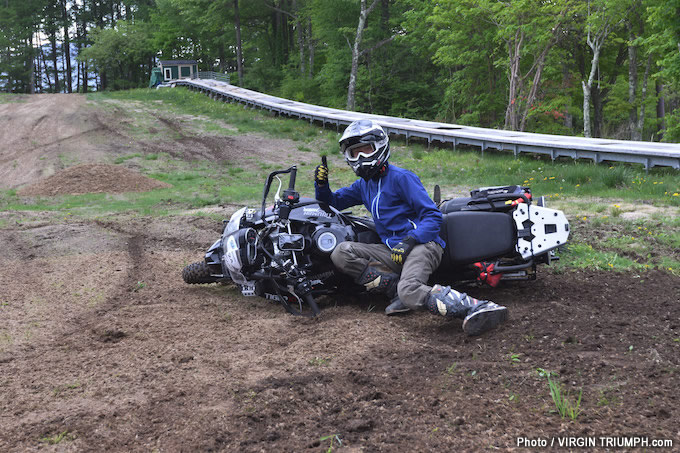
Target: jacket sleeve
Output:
{"points": [[342, 198], [429, 218]]}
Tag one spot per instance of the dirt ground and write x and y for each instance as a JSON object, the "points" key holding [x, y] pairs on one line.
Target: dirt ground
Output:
{"points": [[104, 348]]}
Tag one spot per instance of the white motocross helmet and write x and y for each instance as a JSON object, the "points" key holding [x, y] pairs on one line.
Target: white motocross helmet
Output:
{"points": [[366, 148]]}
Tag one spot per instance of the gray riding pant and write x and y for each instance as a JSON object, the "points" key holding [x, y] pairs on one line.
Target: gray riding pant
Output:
{"points": [[353, 257]]}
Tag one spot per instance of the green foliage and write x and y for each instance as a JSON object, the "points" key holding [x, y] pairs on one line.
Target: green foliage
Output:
{"points": [[119, 51], [563, 403], [482, 63]]}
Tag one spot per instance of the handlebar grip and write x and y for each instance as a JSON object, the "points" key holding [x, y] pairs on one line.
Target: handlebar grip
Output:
{"points": [[324, 161], [312, 303], [293, 173]]}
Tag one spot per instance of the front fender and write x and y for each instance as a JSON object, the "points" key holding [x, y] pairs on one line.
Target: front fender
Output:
{"points": [[213, 258]]}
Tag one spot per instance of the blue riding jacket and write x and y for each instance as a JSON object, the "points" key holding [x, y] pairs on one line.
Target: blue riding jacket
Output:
{"points": [[398, 202]]}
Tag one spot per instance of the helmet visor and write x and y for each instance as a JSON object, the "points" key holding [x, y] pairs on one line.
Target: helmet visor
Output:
{"points": [[354, 152]]}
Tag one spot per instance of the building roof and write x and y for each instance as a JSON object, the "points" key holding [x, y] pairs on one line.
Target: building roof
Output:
{"points": [[168, 62]]}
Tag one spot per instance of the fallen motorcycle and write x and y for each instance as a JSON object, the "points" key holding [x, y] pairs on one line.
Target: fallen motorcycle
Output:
{"points": [[282, 253]]}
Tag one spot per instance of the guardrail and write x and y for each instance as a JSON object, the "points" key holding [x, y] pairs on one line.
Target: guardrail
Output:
{"points": [[649, 154], [212, 75]]}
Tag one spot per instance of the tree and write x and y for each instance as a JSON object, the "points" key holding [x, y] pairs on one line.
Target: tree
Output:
{"points": [[602, 17], [121, 52], [664, 42], [351, 87]]}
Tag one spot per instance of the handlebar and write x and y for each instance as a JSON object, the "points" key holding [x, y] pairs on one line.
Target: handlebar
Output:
{"points": [[291, 181], [291, 185]]}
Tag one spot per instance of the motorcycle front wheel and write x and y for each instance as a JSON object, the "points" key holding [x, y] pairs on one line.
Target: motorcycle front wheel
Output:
{"points": [[197, 273]]}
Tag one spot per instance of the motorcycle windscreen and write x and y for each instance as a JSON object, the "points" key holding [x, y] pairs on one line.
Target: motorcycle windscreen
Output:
{"points": [[478, 236]]}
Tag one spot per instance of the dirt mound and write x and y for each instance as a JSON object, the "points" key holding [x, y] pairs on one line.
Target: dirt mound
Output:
{"points": [[93, 178]]}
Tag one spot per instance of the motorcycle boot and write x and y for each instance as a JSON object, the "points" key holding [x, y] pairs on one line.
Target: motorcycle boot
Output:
{"points": [[379, 282], [478, 315], [395, 307]]}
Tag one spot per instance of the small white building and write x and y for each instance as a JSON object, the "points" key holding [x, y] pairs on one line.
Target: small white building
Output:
{"points": [[178, 69]]}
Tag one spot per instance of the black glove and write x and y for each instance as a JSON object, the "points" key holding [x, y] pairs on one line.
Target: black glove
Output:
{"points": [[321, 175], [401, 250]]}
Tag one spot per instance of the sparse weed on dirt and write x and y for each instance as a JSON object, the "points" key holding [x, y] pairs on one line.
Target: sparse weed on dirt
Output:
{"points": [[333, 438], [57, 438], [563, 403], [451, 369], [561, 398], [319, 361]]}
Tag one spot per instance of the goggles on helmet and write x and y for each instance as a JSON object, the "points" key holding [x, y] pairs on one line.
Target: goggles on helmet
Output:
{"points": [[354, 152]]}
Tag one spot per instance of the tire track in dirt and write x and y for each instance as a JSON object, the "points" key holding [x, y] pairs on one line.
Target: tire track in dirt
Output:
{"points": [[94, 322], [214, 145], [38, 122]]}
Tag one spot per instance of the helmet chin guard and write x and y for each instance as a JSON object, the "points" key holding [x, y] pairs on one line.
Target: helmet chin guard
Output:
{"points": [[366, 161]]}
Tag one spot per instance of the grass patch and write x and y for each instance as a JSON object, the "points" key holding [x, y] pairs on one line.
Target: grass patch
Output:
{"points": [[121, 159], [563, 403], [555, 180], [6, 98], [57, 438], [184, 101], [320, 361], [623, 245]]}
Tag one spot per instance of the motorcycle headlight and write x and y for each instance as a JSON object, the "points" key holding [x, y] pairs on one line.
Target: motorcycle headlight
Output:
{"points": [[326, 242], [240, 250], [234, 222]]}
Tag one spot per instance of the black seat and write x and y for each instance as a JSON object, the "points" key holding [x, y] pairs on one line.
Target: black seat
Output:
{"points": [[473, 236]]}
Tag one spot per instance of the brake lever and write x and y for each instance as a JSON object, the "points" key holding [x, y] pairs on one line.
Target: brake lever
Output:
{"points": [[277, 195]]}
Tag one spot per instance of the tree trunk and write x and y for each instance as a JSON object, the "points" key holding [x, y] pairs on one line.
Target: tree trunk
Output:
{"points": [[78, 48], [351, 88], [597, 99], [31, 61], [85, 68], [637, 135], [53, 43], [310, 47], [37, 71], [47, 72], [632, 83], [222, 57], [67, 47], [514, 48], [587, 86], [660, 110], [385, 17], [300, 39], [239, 47], [533, 92]]}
